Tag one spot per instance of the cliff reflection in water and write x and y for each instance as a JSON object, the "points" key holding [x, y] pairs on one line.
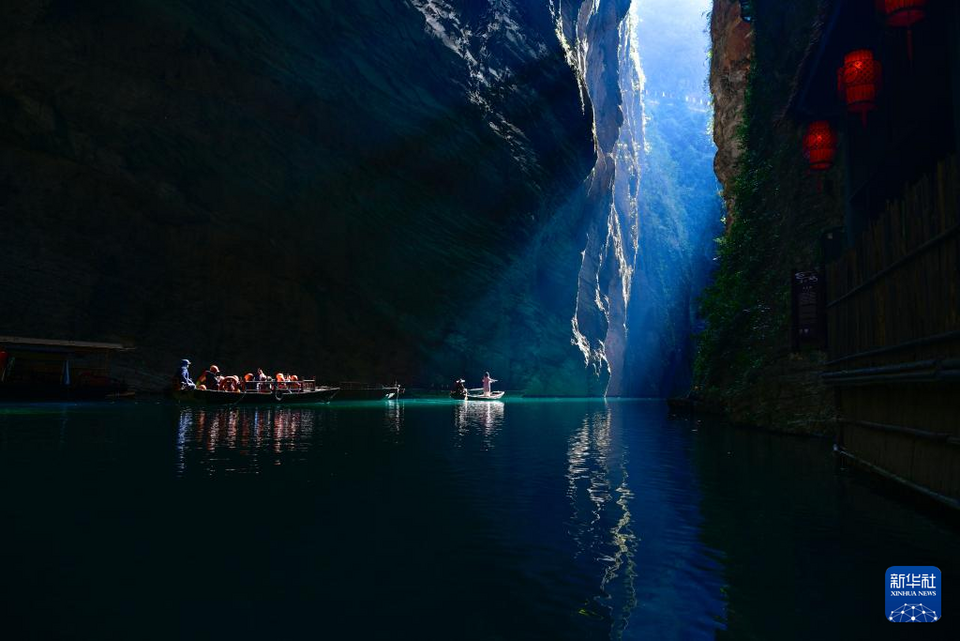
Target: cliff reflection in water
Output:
{"points": [[561, 519], [635, 519], [601, 522]]}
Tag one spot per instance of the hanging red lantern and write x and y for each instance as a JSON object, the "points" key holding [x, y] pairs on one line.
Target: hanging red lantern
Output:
{"points": [[820, 145], [859, 82], [903, 14]]}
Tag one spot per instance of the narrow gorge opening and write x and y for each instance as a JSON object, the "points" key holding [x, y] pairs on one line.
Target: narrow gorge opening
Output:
{"points": [[680, 210], [649, 245]]}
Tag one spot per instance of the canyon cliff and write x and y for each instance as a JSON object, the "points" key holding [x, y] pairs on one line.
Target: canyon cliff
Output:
{"points": [[732, 48], [410, 191], [777, 211]]}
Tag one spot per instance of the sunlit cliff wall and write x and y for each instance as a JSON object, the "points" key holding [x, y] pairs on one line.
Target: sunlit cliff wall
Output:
{"points": [[732, 40], [603, 57]]}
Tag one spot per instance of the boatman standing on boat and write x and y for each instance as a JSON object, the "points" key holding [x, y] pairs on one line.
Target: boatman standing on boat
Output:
{"points": [[486, 383], [183, 378]]}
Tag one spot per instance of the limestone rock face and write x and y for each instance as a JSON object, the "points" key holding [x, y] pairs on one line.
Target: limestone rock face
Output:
{"points": [[732, 51], [601, 54]]}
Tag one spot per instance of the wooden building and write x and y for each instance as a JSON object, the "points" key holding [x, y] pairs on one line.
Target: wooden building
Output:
{"points": [[888, 83], [43, 369]]}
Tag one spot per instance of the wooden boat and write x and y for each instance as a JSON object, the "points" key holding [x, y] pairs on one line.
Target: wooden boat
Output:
{"points": [[478, 395], [266, 393], [494, 396], [353, 391]]}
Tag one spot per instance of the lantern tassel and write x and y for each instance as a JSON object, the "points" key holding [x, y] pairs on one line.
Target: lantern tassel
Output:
{"points": [[863, 117], [910, 45]]}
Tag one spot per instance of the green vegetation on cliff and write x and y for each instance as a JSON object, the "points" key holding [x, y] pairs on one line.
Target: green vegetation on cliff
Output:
{"points": [[779, 214]]}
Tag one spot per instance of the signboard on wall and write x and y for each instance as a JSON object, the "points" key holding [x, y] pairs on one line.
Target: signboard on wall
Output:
{"points": [[808, 329]]}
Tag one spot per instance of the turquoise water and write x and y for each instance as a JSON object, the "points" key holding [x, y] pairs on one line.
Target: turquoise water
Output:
{"points": [[436, 519]]}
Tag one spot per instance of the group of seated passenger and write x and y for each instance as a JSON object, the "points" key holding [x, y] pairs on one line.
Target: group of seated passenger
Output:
{"points": [[212, 379], [263, 383]]}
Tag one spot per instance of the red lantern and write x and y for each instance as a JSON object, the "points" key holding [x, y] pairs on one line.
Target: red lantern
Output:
{"points": [[820, 145], [903, 14], [859, 82]]}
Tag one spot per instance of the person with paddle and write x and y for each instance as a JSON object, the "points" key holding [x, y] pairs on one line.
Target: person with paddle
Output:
{"points": [[486, 383]]}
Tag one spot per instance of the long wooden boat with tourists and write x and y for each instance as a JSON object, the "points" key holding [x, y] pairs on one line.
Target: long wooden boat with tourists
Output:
{"points": [[260, 393]]}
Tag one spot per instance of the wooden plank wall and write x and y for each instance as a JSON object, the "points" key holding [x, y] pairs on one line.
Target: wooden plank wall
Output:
{"points": [[893, 327]]}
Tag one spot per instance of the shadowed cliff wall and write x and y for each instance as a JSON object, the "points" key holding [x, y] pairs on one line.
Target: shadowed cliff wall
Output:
{"points": [[318, 188]]}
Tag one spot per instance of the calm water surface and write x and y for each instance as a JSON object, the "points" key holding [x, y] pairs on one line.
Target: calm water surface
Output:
{"points": [[434, 519]]}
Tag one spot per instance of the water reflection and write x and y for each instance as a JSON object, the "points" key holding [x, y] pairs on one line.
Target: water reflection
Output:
{"points": [[242, 440], [587, 520], [393, 419], [483, 417], [601, 522]]}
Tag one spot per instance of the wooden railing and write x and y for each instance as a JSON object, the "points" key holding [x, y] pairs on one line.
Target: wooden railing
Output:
{"points": [[900, 284], [272, 386]]}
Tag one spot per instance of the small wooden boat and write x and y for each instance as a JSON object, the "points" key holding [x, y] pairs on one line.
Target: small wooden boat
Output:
{"points": [[494, 396], [477, 395], [261, 393], [353, 391]]}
